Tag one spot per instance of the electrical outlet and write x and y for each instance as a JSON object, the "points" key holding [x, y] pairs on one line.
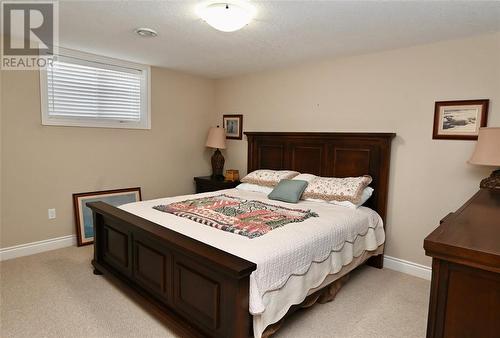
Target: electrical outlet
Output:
{"points": [[52, 213]]}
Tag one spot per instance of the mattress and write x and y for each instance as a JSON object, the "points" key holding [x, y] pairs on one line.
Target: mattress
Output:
{"points": [[291, 260]]}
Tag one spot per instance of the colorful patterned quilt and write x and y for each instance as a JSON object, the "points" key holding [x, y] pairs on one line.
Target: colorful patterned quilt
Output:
{"points": [[248, 218]]}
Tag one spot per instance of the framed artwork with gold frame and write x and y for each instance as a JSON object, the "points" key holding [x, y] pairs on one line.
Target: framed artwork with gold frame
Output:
{"points": [[83, 215]]}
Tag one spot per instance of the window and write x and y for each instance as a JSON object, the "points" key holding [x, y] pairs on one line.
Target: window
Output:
{"points": [[85, 90]]}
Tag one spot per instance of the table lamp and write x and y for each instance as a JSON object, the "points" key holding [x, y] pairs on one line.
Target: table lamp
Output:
{"points": [[487, 153], [217, 139]]}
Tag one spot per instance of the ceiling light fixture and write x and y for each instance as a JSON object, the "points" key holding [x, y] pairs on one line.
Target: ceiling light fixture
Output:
{"points": [[146, 32], [226, 16]]}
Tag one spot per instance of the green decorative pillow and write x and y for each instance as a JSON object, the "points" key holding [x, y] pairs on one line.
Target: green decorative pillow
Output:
{"points": [[288, 191]]}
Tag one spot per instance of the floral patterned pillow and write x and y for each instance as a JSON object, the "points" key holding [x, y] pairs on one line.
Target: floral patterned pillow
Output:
{"points": [[268, 178], [337, 189]]}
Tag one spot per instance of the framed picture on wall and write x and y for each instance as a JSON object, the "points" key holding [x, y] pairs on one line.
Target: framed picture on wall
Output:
{"points": [[459, 120], [83, 215], [233, 124]]}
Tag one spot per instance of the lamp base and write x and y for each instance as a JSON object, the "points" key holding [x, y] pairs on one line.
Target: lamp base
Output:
{"points": [[217, 164], [492, 182]]}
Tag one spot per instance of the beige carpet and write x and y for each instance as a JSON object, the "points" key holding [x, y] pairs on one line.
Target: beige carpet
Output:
{"points": [[55, 294]]}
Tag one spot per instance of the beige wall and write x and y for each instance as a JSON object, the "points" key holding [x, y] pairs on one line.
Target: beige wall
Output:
{"points": [[42, 166], [1, 151], [392, 91]]}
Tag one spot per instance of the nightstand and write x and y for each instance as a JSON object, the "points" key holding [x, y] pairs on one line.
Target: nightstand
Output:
{"points": [[209, 183]]}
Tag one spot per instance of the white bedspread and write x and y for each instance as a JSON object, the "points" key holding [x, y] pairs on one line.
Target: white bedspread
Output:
{"points": [[283, 252]]}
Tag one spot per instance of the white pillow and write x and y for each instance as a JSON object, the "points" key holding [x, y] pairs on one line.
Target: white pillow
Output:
{"points": [[254, 187], [269, 178], [305, 177], [367, 193]]}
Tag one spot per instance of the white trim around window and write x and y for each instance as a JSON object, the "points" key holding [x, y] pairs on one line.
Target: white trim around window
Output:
{"points": [[118, 96]]}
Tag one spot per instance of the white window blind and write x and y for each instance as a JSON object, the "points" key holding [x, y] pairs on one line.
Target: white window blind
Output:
{"points": [[95, 93]]}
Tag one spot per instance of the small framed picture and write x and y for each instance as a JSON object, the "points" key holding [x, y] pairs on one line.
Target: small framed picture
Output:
{"points": [[459, 120], [233, 124], [83, 215]]}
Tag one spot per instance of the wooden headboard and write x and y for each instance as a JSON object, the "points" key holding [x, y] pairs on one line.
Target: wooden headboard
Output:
{"points": [[327, 154]]}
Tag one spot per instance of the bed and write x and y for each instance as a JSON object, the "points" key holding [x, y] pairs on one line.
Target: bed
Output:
{"points": [[209, 282]]}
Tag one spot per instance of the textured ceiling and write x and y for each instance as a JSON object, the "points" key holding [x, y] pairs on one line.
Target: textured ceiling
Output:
{"points": [[282, 34]]}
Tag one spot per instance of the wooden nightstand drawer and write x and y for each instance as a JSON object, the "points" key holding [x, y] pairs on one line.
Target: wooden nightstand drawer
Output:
{"points": [[208, 183]]}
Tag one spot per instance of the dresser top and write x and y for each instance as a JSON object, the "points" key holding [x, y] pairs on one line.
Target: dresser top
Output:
{"points": [[471, 235]]}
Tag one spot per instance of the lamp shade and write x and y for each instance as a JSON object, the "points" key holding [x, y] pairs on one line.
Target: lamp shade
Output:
{"points": [[216, 138], [487, 150], [226, 16]]}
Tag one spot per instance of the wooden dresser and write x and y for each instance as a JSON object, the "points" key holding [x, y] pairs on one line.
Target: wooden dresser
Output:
{"points": [[465, 287]]}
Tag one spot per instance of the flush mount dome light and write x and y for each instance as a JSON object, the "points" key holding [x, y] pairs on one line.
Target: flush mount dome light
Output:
{"points": [[226, 16], [146, 32]]}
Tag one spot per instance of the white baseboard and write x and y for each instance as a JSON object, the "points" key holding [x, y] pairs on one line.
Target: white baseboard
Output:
{"points": [[410, 268], [36, 247], [27, 249]]}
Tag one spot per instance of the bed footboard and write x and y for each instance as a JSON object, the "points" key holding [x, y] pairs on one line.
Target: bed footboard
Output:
{"points": [[202, 287]]}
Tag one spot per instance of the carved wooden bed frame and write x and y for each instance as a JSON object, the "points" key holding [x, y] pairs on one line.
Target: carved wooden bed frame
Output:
{"points": [[204, 291]]}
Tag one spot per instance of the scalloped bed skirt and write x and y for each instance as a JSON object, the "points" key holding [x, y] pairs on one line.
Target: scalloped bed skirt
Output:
{"points": [[297, 288]]}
